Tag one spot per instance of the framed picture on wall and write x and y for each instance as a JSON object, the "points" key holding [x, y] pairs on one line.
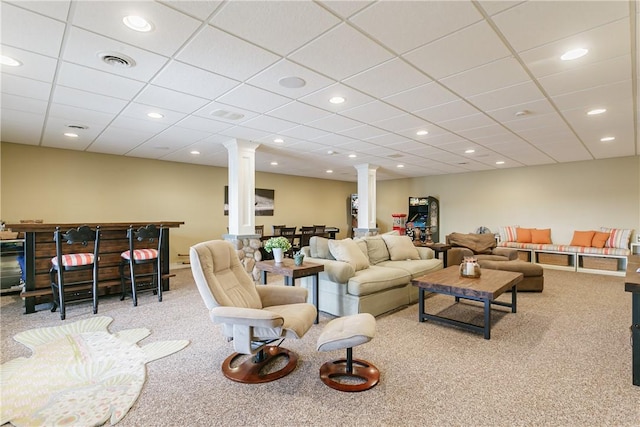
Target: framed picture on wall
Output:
{"points": [[264, 201]]}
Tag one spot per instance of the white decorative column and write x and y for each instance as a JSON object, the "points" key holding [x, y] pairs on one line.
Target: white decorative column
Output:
{"points": [[366, 200], [242, 195]]}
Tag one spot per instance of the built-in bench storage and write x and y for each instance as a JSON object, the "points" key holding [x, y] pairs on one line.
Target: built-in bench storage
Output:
{"points": [[610, 259]]}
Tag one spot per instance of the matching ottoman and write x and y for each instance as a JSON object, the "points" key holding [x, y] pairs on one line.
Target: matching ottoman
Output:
{"points": [[348, 332], [533, 280]]}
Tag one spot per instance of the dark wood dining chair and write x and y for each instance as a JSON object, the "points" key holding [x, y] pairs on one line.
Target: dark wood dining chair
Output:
{"points": [[319, 230], [290, 234], [305, 235], [259, 230], [277, 229], [76, 250]]}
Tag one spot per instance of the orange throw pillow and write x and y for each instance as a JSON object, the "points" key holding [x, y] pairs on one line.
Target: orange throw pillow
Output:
{"points": [[599, 239], [541, 236], [582, 238], [523, 235]]}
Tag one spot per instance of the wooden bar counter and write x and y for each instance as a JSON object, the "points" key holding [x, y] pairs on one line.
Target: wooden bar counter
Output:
{"points": [[39, 248]]}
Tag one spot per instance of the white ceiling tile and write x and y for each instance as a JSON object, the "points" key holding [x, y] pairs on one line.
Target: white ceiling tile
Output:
{"points": [[304, 132], [535, 23], [345, 8], [57, 125], [406, 25], [468, 48], [222, 53], [278, 26], [19, 103], [58, 9], [382, 80], [253, 98], [473, 121], [352, 97], [509, 113], [95, 81], [168, 141], [22, 86], [422, 97], [494, 6], [244, 133], [139, 111], [169, 99], [270, 124], [202, 124], [90, 101], [400, 123], [487, 78], [507, 96], [333, 140], [199, 9], [171, 28], [83, 48], [596, 97], [363, 132], [116, 140], [30, 31], [34, 66], [209, 112], [601, 73], [372, 112], [269, 79], [334, 123], [448, 111], [21, 127], [200, 82], [298, 112], [492, 130], [356, 53]]}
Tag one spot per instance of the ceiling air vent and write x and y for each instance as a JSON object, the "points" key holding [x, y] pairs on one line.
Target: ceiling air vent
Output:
{"points": [[116, 59], [82, 127], [224, 114]]}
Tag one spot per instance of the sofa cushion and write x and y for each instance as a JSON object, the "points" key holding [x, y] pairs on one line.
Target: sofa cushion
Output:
{"points": [[619, 237], [523, 235], [508, 233], [582, 238], [600, 239], [375, 279], [400, 247], [478, 243], [347, 250], [319, 247], [542, 236], [377, 249], [415, 268]]}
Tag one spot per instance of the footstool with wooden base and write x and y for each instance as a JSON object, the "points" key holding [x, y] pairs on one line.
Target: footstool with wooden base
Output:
{"points": [[348, 332]]}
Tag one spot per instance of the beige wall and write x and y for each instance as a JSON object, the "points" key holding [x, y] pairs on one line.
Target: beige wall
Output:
{"points": [[122, 189], [564, 197]]}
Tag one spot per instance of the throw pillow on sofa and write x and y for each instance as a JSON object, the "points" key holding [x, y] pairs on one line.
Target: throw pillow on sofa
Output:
{"points": [[600, 239], [523, 235], [582, 238], [347, 250], [508, 233], [542, 236], [619, 237], [377, 249], [400, 247]]}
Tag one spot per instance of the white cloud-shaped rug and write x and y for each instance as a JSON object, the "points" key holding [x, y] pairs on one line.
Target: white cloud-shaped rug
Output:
{"points": [[79, 374]]}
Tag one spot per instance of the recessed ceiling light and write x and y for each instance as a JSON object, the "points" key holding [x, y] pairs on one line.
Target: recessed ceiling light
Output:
{"points": [[71, 134], [470, 150], [337, 100], [274, 163], [596, 111], [400, 166], [137, 23], [292, 82], [278, 140], [353, 156], [155, 115], [7, 60], [500, 162], [522, 113], [574, 54], [607, 138], [329, 171], [422, 132], [195, 152], [331, 152]]}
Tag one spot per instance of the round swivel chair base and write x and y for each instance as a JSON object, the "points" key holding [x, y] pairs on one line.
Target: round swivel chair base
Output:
{"points": [[249, 371], [360, 369]]}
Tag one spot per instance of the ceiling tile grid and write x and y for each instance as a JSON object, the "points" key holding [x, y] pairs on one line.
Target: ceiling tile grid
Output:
{"points": [[479, 75]]}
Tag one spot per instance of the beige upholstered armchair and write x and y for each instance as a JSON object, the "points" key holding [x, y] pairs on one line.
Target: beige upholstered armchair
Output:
{"points": [[253, 316]]}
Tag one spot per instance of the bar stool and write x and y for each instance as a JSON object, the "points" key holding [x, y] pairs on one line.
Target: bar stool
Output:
{"points": [[70, 259], [139, 277]]}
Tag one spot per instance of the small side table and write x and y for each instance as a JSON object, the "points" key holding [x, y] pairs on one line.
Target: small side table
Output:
{"points": [[438, 248], [291, 272]]}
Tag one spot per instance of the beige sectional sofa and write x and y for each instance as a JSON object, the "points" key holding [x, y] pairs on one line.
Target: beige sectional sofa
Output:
{"points": [[368, 275]]}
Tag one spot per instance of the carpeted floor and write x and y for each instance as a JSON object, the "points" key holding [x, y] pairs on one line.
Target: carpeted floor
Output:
{"points": [[563, 360]]}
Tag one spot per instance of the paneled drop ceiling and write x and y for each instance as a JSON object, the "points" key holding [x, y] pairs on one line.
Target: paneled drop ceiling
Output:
{"points": [[484, 79]]}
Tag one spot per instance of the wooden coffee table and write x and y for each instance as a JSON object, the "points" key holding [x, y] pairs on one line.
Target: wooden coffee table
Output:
{"points": [[485, 289], [291, 272]]}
